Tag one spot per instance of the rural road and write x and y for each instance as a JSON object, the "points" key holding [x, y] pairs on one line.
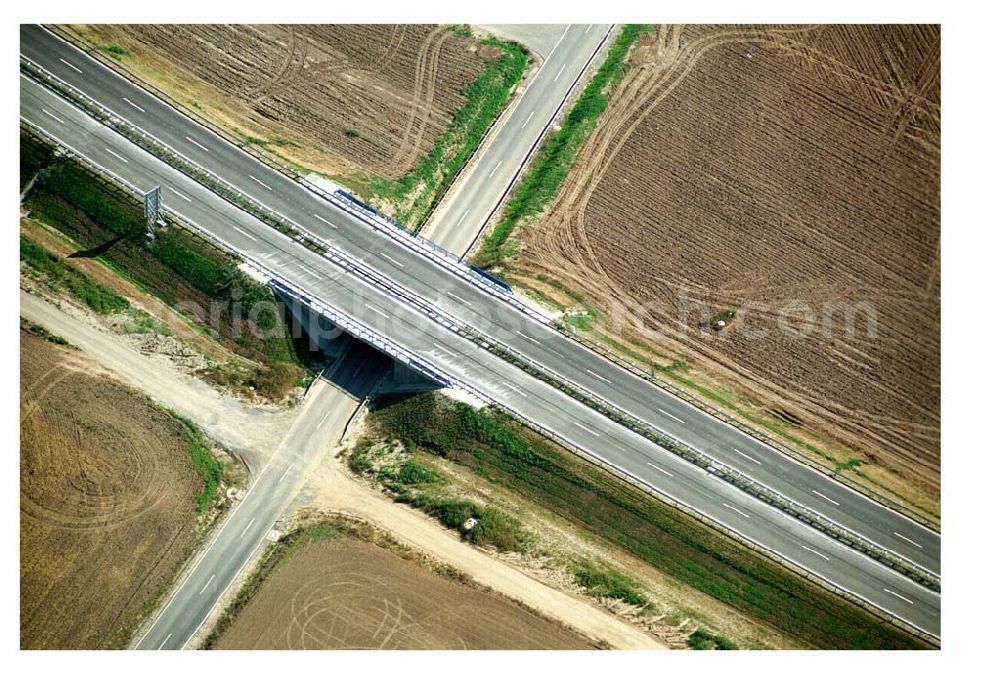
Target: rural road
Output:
{"points": [[578, 425], [471, 201], [321, 418]]}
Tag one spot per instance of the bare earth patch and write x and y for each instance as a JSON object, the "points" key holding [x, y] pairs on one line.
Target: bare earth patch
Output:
{"points": [[108, 495], [791, 175], [349, 594]]}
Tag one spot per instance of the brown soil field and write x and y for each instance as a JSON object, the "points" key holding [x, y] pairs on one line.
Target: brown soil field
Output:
{"points": [[108, 497], [350, 594], [787, 174], [339, 99]]}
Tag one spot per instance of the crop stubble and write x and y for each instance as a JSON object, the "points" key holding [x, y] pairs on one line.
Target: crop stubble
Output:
{"points": [[759, 168]]}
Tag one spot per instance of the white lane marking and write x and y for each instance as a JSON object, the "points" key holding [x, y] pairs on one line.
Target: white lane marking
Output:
{"points": [[370, 307], [316, 275], [212, 578], [325, 221], [586, 428], [495, 169], [442, 348], [908, 540], [259, 181], [178, 193], [71, 66], [735, 509], [244, 233], [197, 144], [592, 373], [559, 73], [59, 120], [656, 467], [533, 340], [459, 299], [284, 473], [515, 389], [133, 105], [908, 601], [323, 420], [663, 411], [827, 498], [165, 639], [815, 552], [589, 26], [247, 528], [747, 456], [462, 219], [386, 256], [530, 115], [116, 155]]}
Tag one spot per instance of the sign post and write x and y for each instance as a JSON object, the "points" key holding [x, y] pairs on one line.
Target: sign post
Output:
{"points": [[152, 206]]}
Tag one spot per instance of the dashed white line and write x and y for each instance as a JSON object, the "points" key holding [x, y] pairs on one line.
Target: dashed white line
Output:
{"points": [[370, 307], [593, 373], [459, 299], [908, 540], [167, 638], [316, 275], [442, 348], [71, 66], [908, 601], [247, 527], [826, 498], [116, 155], [559, 73], [495, 169], [141, 110], [325, 221], [197, 144], [390, 259], [736, 510], [284, 473], [322, 420], [588, 29], [212, 578], [178, 193], [515, 389], [530, 115], [815, 552], [259, 181], [533, 340], [59, 120], [244, 233], [748, 457], [580, 425], [656, 467], [663, 411], [462, 219]]}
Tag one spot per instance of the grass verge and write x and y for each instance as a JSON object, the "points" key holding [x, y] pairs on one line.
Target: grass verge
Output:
{"points": [[551, 165], [414, 194], [500, 450]]}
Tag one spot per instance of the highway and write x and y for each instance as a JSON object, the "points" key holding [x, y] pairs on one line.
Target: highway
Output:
{"points": [[326, 410], [491, 317], [471, 201], [466, 363]]}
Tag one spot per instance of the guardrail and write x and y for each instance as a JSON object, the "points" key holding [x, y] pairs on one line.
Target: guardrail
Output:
{"points": [[370, 336], [445, 258], [290, 229]]}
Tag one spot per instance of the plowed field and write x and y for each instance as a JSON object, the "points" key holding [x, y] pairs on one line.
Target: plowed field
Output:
{"points": [[791, 175], [341, 99], [349, 594], [108, 497]]}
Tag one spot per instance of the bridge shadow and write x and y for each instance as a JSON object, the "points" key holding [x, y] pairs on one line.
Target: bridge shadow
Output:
{"points": [[361, 370]]}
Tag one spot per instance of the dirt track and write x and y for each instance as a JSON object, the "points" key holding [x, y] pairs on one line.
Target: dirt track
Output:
{"points": [[787, 174], [347, 594], [340, 99], [107, 502]]}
